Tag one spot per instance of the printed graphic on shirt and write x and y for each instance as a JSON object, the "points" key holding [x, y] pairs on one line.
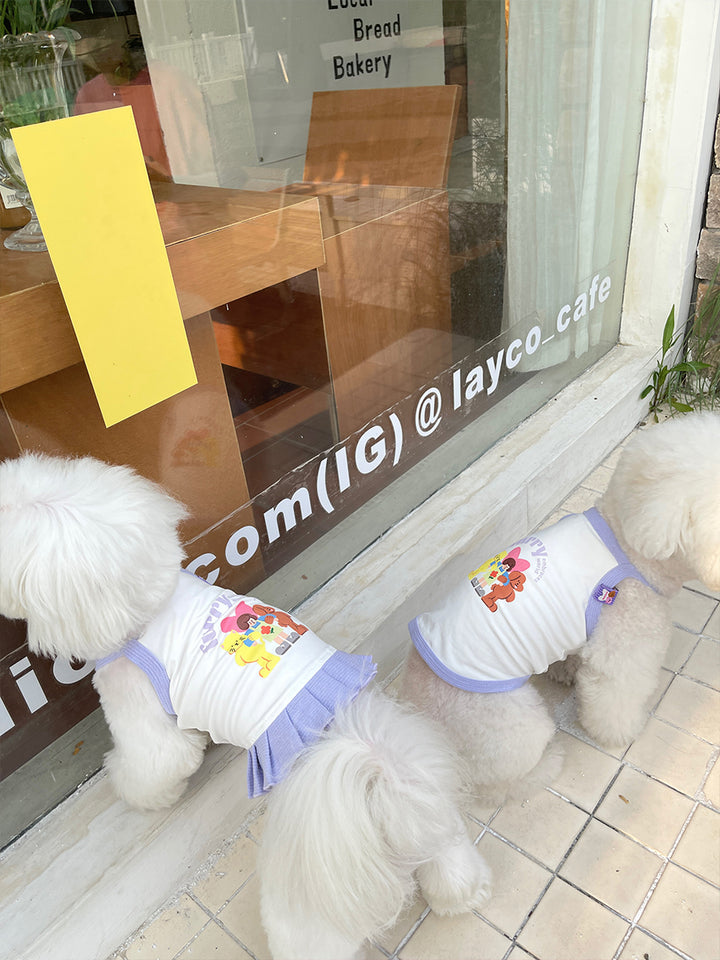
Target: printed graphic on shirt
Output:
{"points": [[505, 574], [221, 606], [259, 634]]}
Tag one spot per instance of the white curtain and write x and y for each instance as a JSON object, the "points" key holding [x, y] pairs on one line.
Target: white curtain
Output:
{"points": [[576, 73]]}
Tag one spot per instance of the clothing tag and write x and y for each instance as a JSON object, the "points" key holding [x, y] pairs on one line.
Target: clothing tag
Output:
{"points": [[605, 594]]}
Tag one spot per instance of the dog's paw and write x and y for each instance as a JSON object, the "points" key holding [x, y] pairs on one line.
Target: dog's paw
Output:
{"points": [[148, 781], [472, 897], [613, 736], [612, 729], [563, 671], [456, 883], [138, 790]]}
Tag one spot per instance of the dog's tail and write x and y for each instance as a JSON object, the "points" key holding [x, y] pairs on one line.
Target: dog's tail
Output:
{"points": [[364, 807]]}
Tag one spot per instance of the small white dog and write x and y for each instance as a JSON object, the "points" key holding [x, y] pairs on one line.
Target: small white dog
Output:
{"points": [[594, 586], [90, 557]]}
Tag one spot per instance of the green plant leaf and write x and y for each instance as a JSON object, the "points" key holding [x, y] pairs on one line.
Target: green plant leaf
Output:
{"points": [[34, 107], [32, 16], [684, 366], [668, 331]]}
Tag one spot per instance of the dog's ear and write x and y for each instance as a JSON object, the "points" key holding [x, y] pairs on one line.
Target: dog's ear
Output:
{"points": [[648, 500], [665, 492], [88, 552]]}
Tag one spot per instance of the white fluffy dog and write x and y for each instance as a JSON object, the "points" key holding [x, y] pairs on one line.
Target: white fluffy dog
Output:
{"points": [[90, 557], [594, 588]]}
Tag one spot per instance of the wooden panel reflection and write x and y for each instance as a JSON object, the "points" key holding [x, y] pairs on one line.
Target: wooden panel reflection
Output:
{"points": [[398, 136], [187, 442]]}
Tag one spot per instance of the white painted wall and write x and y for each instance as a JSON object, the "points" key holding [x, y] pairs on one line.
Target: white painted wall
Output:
{"points": [[682, 90]]}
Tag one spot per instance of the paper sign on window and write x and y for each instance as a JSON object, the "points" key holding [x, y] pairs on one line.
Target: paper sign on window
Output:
{"points": [[87, 179]]}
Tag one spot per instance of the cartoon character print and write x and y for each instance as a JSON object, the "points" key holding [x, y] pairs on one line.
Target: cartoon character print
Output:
{"points": [[292, 630], [248, 630], [483, 578], [500, 578]]}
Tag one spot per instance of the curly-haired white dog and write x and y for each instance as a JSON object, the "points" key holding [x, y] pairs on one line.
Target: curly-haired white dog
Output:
{"points": [[90, 557], [594, 588]]}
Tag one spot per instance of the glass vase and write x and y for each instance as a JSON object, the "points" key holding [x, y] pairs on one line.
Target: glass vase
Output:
{"points": [[32, 90]]}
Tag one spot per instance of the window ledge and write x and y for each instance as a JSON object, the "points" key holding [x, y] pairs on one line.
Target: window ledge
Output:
{"points": [[85, 877]]}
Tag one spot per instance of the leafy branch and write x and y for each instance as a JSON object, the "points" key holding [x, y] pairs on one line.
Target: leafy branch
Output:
{"points": [[704, 343], [666, 381], [33, 16]]}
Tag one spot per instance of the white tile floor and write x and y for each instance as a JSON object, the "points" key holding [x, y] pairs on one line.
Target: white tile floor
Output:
{"points": [[618, 860]]}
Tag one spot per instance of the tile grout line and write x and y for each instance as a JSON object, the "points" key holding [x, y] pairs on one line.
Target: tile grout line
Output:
{"points": [[214, 912], [696, 876], [582, 737], [699, 591], [675, 726], [193, 938], [218, 922], [712, 760], [708, 770], [666, 858], [697, 680], [214, 918], [592, 815], [411, 932], [555, 874], [668, 946], [496, 928], [634, 922], [523, 923], [531, 857], [485, 828]]}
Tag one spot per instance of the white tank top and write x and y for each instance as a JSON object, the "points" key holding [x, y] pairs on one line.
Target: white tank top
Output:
{"points": [[225, 663], [524, 608]]}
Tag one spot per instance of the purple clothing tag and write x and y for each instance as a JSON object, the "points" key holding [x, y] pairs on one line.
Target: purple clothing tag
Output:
{"points": [[623, 570], [605, 594]]}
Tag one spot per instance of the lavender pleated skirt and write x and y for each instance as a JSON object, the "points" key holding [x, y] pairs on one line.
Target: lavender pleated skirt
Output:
{"points": [[336, 683]]}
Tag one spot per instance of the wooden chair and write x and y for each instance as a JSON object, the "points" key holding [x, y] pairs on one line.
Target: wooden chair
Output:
{"points": [[400, 136], [384, 289]]}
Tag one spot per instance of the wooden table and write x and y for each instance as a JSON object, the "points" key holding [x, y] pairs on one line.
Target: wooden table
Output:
{"points": [[222, 244], [379, 259]]}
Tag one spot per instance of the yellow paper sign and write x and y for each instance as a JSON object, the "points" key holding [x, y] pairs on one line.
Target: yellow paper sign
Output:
{"points": [[88, 182]]}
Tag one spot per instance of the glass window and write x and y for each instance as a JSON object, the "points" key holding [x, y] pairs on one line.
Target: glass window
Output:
{"points": [[396, 228]]}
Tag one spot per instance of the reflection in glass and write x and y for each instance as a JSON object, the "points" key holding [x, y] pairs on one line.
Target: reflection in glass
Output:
{"points": [[381, 274]]}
